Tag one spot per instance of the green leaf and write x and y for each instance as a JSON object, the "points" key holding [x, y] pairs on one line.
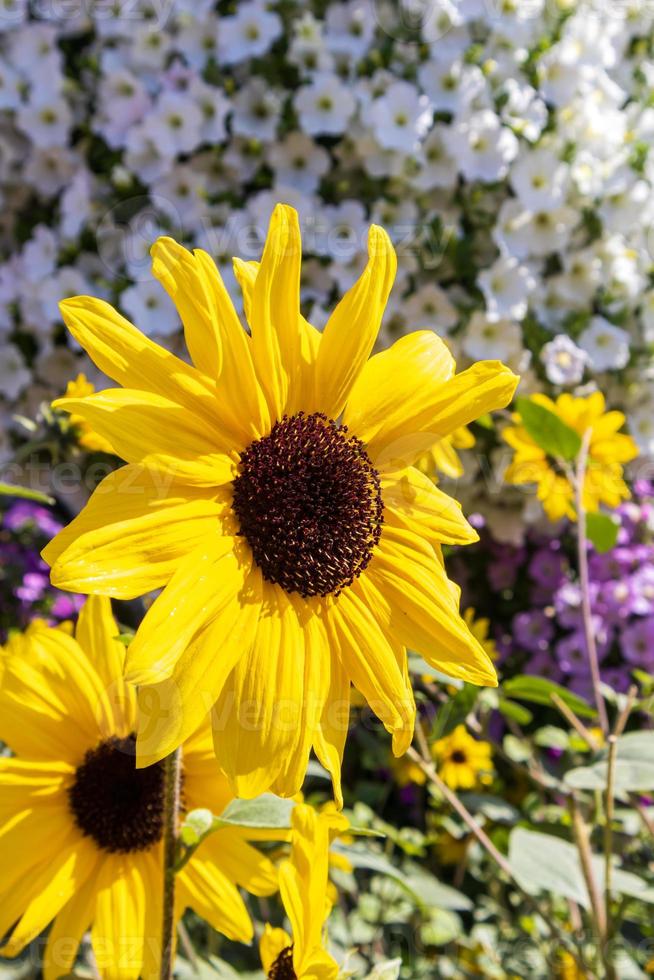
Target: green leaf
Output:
{"points": [[25, 493], [602, 531], [538, 690], [492, 807], [514, 712], [423, 887], [265, 812], [548, 431], [634, 766]]}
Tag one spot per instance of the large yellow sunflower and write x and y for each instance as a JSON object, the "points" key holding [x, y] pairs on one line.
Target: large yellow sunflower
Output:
{"points": [[304, 887], [270, 489], [81, 826]]}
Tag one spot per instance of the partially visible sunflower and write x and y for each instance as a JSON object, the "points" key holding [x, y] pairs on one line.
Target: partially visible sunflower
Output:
{"points": [[271, 490], [443, 457], [81, 826], [80, 387], [608, 451], [303, 884], [480, 629], [462, 761]]}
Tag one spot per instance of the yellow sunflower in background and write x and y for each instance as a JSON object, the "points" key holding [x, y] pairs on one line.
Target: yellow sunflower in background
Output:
{"points": [[80, 387], [462, 761], [608, 451], [271, 490], [81, 826], [303, 884], [443, 456]]}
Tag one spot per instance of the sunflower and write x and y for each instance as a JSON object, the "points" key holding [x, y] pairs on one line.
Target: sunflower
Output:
{"points": [[270, 489], [81, 826], [303, 884], [462, 761], [80, 387], [443, 456], [608, 450]]}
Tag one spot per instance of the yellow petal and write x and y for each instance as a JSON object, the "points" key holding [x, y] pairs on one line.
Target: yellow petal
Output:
{"points": [[45, 892], [204, 888], [275, 310], [256, 719], [97, 634], [352, 329], [133, 533], [271, 944], [243, 864], [370, 661], [333, 725], [155, 432], [118, 929], [406, 398], [170, 711], [414, 600], [411, 500], [215, 337], [125, 354], [67, 932]]}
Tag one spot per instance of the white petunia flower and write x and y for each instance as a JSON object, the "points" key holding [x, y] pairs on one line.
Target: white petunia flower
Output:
{"points": [[564, 362], [506, 286], [349, 28], [539, 179], [257, 108], [523, 233], [451, 86], [482, 147], [147, 304], [14, 374], [298, 161], [249, 33], [430, 307], [606, 345], [179, 120], [325, 105], [47, 123], [485, 338], [641, 427], [399, 117]]}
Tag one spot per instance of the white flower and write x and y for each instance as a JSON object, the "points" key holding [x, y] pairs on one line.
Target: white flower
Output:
{"points": [[540, 179], [325, 105], [146, 304], [436, 168], [10, 87], [298, 161], [482, 147], [47, 123], [430, 307], [641, 427], [647, 316], [606, 345], [506, 286], [181, 195], [257, 108], [39, 254], [14, 375], [580, 279], [399, 117], [215, 108], [123, 102], [339, 231], [523, 110], [564, 361], [523, 233], [49, 169], [486, 338], [178, 120], [248, 34], [452, 86], [350, 28]]}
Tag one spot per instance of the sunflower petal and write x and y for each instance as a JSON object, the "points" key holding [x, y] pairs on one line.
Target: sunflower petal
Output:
{"points": [[412, 500], [407, 398], [239, 861], [351, 331], [132, 534], [204, 888], [333, 725], [97, 634], [67, 931], [157, 433], [118, 931]]}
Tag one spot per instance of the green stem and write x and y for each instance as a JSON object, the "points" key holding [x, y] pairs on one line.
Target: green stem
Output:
{"points": [[172, 772]]}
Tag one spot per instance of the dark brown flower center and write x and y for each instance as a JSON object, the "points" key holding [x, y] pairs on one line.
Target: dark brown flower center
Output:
{"points": [[282, 968], [309, 504], [459, 756], [113, 802]]}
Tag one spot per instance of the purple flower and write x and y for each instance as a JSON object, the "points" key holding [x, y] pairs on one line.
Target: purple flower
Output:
{"points": [[533, 630], [637, 642], [547, 567], [616, 599], [25, 513], [643, 586], [33, 587]]}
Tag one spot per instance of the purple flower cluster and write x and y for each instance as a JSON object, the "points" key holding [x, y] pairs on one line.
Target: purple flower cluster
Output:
{"points": [[25, 590], [534, 601]]}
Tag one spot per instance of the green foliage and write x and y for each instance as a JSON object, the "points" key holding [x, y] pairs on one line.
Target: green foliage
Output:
{"points": [[539, 690], [548, 431], [602, 531]]}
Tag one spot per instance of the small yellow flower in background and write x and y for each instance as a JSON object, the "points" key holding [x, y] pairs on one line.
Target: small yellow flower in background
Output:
{"points": [[303, 884], [568, 969], [406, 771], [480, 629], [443, 456], [80, 387], [81, 826], [450, 849], [462, 761], [271, 490], [608, 451]]}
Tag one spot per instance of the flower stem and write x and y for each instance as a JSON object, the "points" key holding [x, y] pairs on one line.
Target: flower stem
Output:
{"points": [[584, 579], [172, 770]]}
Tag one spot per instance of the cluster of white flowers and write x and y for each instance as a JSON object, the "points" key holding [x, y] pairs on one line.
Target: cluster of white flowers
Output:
{"points": [[505, 145]]}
